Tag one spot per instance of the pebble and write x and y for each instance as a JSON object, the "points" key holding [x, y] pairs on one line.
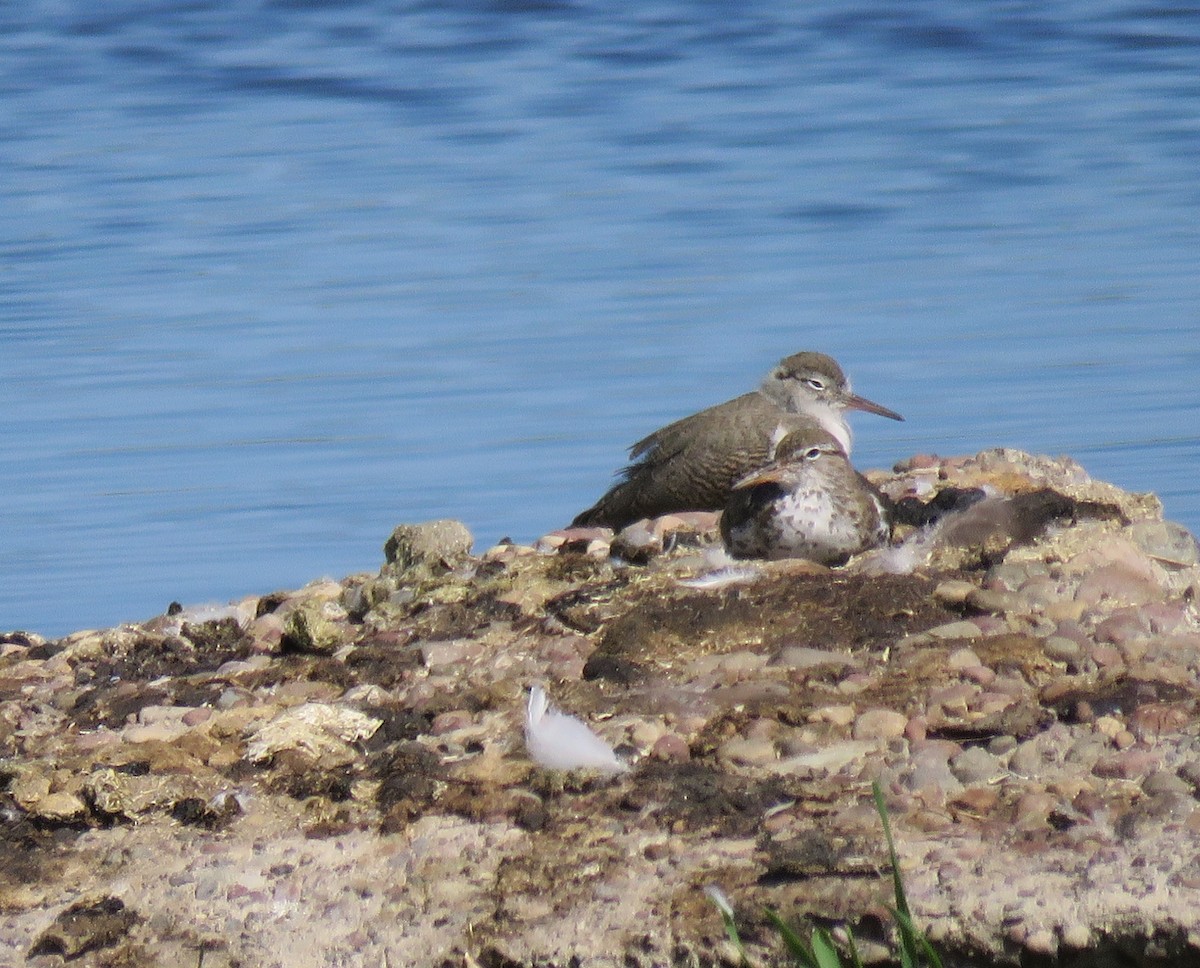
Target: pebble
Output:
{"points": [[995, 601], [739, 752], [449, 722], [954, 591], [433, 545], [1121, 627], [1166, 541], [1128, 765], [1027, 759], [1042, 590], [1117, 584], [161, 732], [929, 770], [1166, 782], [980, 801], [672, 748], [449, 653], [803, 657], [732, 666], [962, 629], [962, 659], [879, 724], [638, 542], [1153, 720], [1032, 810], [975, 765], [1062, 649], [838, 715]]}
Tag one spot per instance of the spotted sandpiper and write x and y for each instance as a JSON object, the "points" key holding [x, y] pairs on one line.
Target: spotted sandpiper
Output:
{"points": [[692, 464], [809, 502]]}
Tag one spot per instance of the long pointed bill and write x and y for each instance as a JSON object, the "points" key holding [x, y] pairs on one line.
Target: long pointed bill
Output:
{"points": [[771, 474], [855, 402]]}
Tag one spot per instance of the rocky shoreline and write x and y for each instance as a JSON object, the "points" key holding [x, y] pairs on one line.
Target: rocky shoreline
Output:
{"points": [[337, 775]]}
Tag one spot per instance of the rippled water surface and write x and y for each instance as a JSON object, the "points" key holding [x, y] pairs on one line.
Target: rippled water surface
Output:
{"points": [[278, 277]]}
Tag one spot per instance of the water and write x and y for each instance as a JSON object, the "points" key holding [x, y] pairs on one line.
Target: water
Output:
{"points": [[278, 277]]}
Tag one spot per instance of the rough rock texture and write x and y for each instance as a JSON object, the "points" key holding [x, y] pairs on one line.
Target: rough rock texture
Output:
{"points": [[336, 775]]}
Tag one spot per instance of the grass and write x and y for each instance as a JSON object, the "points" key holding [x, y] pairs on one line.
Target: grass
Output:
{"points": [[913, 948]]}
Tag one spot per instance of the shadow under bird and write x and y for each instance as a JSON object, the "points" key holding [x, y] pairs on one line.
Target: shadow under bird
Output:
{"points": [[693, 463], [809, 502]]}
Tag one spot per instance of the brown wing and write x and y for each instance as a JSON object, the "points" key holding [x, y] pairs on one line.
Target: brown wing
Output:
{"points": [[690, 465]]}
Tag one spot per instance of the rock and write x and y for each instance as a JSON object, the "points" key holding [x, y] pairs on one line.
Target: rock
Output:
{"points": [[87, 925], [315, 628], [1031, 721], [320, 731], [1166, 541], [433, 547], [974, 765], [879, 724]]}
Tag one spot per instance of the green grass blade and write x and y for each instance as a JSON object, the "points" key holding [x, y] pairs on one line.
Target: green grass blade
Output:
{"points": [[855, 960], [897, 882], [717, 896], [824, 950], [802, 953], [914, 942]]}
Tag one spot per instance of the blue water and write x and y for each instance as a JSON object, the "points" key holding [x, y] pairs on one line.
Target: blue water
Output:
{"points": [[277, 277]]}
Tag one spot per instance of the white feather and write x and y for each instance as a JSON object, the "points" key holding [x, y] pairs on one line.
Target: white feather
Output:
{"points": [[723, 577], [561, 742]]}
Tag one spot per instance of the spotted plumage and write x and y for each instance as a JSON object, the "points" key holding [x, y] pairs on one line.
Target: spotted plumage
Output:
{"points": [[809, 502]]}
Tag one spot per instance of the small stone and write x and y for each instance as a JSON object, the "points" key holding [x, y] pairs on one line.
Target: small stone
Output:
{"points": [[1121, 627], [1189, 772], [977, 801], [1002, 745], [1033, 809], [1166, 541], [879, 724], [747, 752], [975, 765], [962, 629], [1061, 649], [1165, 617], [961, 659], [59, 806], [1117, 584], [1127, 765], [954, 591], [1155, 720], [449, 722], [929, 770], [314, 628], [995, 602], [1162, 782], [434, 546], [1044, 590], [194, 717], [980, 674], [1076, 935], [638, 542], [1067, 610], [672, 748], [448, 653], [1026, 759], [838, 715], [802, 657]]}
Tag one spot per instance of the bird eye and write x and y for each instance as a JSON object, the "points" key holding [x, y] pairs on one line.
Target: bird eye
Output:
{"points": [[812, 453], [816, 384]]}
